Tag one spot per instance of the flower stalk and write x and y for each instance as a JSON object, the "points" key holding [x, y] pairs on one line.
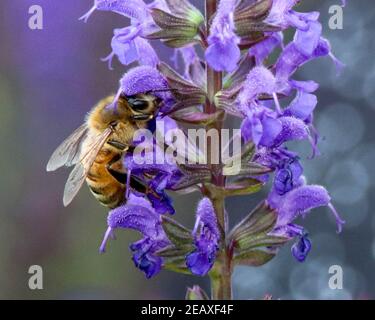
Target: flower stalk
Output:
{"points": [[221, 274]]}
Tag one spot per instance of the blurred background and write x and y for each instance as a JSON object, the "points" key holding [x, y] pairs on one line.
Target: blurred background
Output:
{"points": [[50, 78]]}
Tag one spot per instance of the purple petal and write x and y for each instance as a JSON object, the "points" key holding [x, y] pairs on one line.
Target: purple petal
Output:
{"points": [[206, 215], [246, 130], [301, 248], [144, 79], [292, 129], [271, 130], [135, 9], [302, 200], [223, 52], [138, 214], [307, 41], [289, 61], [252, 129], [189, 58], [123, 46], [259, 80], [256, 130], [223, 56], [306, 86], [137, 217], [263, 49], [146, 53], [199, 263], [289, 231], [206, 235], [339, 221], [280, 11], [287, 177], [324, 49], [144, 257], [162, 203], [302, 106]]}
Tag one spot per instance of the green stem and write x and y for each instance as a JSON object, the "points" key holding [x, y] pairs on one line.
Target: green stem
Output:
{"points": [[221, 273]]}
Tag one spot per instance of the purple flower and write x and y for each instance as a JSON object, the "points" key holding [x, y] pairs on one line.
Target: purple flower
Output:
{"points": [[301, 248], [144, 257], [128, 46], [127, 43], [263, 49], [324, 49], [188, 56], [141, 80], [192, 64], [223, 52], [299, 201], [157, 178], [291, 129], [307, 40], [287, 175], [261, 124], [281, 13], [134, 9], [259, 81], [287, 167], [303, 199], [292, 57], [302, 106], [145, 79], [291, 197], [138, 214], [161, 202], [206, 235], [261, 127], [149, 164]]}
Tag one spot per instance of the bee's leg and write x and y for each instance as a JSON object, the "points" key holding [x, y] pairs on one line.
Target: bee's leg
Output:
{"points": [[116, 168], [142, 117], [118, 145]]}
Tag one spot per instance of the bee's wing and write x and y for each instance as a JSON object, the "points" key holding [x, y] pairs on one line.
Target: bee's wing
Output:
{"points": [[68, 152], [81, 169]]}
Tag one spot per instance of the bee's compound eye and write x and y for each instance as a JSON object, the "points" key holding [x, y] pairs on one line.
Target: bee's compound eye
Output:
{"points": [[138, 104]]}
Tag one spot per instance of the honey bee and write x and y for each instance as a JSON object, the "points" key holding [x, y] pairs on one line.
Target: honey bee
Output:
{"points": [[97, 147]]}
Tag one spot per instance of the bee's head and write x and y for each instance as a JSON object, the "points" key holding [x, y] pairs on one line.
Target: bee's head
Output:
{"points": [[137, 108], [140, 107]]}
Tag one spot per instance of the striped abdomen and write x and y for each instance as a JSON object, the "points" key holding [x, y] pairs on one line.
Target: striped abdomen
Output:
{"points": [[104, 186]]}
